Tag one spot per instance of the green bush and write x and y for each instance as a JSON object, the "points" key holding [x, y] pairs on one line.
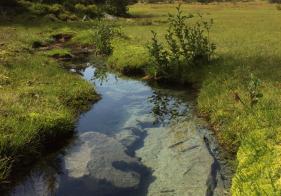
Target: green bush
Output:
{"points": [[44, 9], [187, 47], [89, 10], [38, 8], [116, 7], [55, 9], [103, 35]]}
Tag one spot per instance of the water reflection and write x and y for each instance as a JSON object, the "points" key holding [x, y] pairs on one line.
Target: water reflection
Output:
{"points": [[43, 179], [165, 105], [107, 137], [100, 75]]}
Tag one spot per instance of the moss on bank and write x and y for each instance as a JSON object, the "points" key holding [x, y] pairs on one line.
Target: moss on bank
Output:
{"points": [[39, 100]]}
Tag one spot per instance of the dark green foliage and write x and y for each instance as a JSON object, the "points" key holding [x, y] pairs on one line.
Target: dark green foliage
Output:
{"points": [[188, 46], [160, 57], [52, 11], [116, 7], [8, 2], [275, 1], [165, 107], [103, 35], [89, 10]]}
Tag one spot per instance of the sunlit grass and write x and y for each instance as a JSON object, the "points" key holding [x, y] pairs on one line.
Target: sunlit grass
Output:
{"points": [[39, 100], [36, 94], [247, 36]]}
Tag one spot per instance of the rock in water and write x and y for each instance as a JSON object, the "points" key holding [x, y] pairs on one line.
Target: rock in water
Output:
{"points": [[179, 158], [96, 156], [128, 137]]}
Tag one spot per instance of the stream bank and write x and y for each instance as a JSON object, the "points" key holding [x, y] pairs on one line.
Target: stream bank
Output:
{"points": [[137, 140]]}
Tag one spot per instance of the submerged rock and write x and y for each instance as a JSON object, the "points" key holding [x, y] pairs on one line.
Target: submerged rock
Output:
{"points": [[102, 158], [179, 158], [127, 137]]}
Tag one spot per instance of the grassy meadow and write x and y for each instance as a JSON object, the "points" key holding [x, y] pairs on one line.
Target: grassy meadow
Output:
{"points": [[39, 100], [248, 41]]}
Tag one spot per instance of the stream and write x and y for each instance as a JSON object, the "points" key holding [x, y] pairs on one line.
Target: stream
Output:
{"points": [[139, 139]]}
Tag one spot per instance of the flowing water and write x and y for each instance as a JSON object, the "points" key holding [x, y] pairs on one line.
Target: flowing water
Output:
{"points": [[137, 140]]}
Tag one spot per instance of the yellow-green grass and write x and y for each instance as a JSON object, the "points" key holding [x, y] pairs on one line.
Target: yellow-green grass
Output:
{"points": [[247, 36], [248, 39], [128, 58], [39, 100]]}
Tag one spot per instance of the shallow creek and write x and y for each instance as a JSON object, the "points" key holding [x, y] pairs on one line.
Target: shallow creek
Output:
{"points": [[137, 140]]}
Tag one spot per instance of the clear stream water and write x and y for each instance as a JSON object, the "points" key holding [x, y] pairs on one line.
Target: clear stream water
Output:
{"points": [[111, 153]]}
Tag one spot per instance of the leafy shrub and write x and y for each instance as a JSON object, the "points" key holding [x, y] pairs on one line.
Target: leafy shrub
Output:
{"points": [[103, 36], [38, 8], [44, 9], [187, 46], [89, 10], [116, 7], [55, 9]]}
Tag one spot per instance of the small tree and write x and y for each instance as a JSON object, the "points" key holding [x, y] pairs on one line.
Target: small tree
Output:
{"points": [[103, 35], [187, 45]]}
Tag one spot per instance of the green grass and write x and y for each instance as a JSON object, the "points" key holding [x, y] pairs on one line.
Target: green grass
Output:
{"points": [[129, 58], [84, 37], [248, 41], [39, 100], [36, 94]]}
